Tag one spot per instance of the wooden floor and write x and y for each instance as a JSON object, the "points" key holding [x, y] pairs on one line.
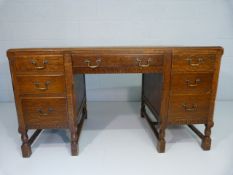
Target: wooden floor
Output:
{"points": [[117, 141]]}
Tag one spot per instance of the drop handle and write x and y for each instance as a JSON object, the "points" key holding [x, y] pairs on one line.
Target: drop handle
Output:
{"points": [[193, 84], [42, 113], [98, 62], [38, 86], [194, 64], [189, 108], [40, 67], [140, 64]]}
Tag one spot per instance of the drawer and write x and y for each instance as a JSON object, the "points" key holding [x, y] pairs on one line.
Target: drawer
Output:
{"points": [[41, 84], [193, 62], [189, 108], [93, 61], [45, 113], [191, 83], [38, 64]]}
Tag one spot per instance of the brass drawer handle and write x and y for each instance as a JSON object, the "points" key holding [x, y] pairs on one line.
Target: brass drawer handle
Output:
{"points": [[195, 84], [143, 65], [38, 86], [45, 62], [98, 61], [191, 63], [190, 108], [42, 113]]}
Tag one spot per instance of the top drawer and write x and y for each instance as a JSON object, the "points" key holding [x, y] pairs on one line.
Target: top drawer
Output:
{"points": [[93, 61], [39, 63], [193, 62]]}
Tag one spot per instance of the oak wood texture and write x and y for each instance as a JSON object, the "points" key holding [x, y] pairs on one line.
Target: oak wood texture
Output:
{"points": [[179, 86]]}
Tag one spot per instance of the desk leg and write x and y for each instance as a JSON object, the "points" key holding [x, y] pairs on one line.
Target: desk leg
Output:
{"points": [[156, 91], [26, 147], [71, 104], [74, 141], [152, 97], [206, 141], [161, 140]]}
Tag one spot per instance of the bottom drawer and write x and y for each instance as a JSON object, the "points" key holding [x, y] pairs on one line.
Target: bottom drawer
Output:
{"points": [[188, 109], [45, 113]]}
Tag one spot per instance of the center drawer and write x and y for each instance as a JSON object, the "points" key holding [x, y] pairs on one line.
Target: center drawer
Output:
{"points": [[94, 61], [52, 84]]}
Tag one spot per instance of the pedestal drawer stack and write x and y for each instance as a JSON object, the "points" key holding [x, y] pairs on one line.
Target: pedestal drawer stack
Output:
{"points": [[40, 92], [194, 78]]}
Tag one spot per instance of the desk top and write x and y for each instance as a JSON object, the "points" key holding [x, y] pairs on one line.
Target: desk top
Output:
{"points": [[143, 49]]}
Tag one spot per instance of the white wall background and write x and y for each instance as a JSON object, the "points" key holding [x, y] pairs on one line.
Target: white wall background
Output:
{"points": [[65, 23]]}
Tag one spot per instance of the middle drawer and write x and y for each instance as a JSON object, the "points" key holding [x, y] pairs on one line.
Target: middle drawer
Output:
{"points": [[51, 84], [191, 83]]}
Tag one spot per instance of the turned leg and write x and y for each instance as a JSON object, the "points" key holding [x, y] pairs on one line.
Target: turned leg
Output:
{"points": [[206, 141], [143, 109], [74, 141], [161, 140], [26, 147]]}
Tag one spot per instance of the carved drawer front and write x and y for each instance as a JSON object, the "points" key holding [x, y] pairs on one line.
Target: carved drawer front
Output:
{"points": [[39, 63], [191, 83], [117, 60], [41, 84], [193, 62], [188, 108], [45, 113]]}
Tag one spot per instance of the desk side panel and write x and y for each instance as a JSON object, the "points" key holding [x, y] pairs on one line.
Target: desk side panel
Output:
{"points": [[152, 91], [80, 91]]}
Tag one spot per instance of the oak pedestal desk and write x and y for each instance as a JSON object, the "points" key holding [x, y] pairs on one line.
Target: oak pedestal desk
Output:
{"points": [[178, 86]]}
